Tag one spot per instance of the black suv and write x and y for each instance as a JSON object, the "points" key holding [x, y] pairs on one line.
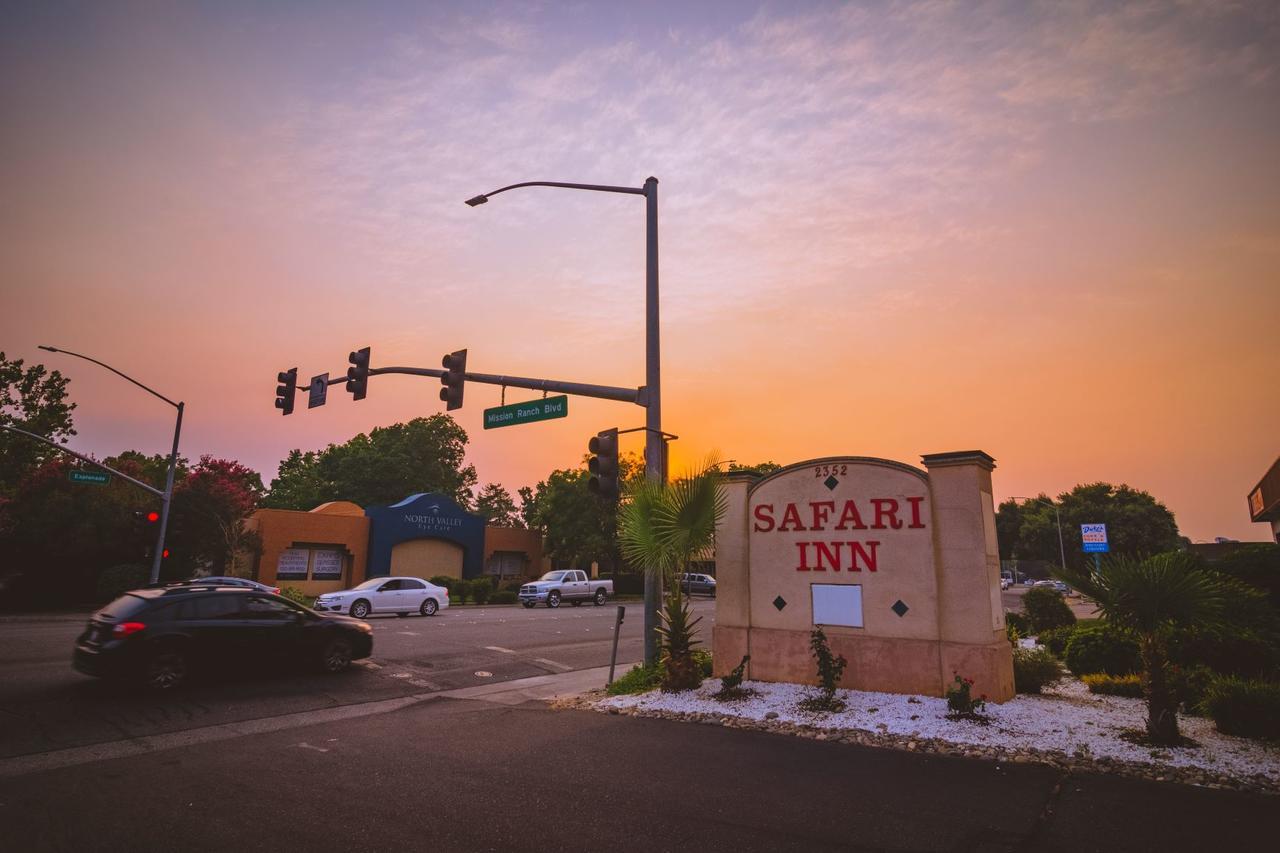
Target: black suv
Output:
{"points": [[161, 636]]}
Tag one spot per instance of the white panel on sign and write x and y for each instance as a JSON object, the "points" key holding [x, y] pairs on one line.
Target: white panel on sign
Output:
{"points": [[327, 564], [837, 604], [293, 563]]}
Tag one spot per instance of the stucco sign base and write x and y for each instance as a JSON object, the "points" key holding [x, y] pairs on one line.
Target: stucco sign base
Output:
{"points": [[899, 566], [875, 664]]}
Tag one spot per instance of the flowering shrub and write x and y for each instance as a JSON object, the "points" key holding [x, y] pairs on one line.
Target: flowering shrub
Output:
{"points": [[960, 701]]}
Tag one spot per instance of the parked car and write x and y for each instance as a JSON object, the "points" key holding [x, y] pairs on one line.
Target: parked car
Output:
{"points": [[399, 595], [1058, 585], [569, 585], [696, 584], [159, 637], [224, 580], [1005, 583]]}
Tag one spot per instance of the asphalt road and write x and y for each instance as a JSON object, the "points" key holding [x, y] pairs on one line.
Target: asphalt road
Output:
{"points": [[46, 705], [449, 775]]}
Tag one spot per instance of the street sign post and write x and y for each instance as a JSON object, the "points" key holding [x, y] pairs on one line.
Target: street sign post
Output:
{"points": [[525, 413], [98, 478]]}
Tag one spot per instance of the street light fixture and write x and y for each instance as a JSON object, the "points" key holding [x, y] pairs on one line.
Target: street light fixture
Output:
{"points": [[166, 497], [651, 399], [1062, 551]]}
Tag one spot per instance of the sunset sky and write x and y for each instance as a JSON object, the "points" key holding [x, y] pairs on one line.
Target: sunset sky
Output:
{"points": [[1048, 231]]}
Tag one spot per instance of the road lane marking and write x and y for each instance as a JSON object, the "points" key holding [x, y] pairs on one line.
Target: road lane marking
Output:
{"points": [[409, 633], [500, 649], [305, 745], [553, 664]]}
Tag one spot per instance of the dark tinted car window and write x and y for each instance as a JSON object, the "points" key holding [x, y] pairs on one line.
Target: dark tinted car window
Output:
{"points": [[210, 607], [389, 586], [123, 607], [410, 584], [257, 607]]}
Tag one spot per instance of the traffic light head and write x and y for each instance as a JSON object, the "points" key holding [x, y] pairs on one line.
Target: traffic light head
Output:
{"points": [[286, 390], [358, 373], [454, 378], [603, 464], [153, 517]]}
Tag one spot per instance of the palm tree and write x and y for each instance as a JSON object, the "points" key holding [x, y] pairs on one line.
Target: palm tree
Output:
{"points": [[1151, 598], [663, 527]]}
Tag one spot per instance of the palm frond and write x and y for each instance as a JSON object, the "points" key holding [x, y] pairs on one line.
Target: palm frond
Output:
{"points": [[1151, 594]]}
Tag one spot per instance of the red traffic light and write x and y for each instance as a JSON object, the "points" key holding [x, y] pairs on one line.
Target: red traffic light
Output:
{"points": [[153, 516], [165, 554]]}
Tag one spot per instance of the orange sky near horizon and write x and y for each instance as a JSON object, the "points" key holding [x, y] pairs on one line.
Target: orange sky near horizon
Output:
{"points": [[1051, 235]]}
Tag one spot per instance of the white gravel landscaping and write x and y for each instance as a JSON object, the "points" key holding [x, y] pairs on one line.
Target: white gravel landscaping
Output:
{"points": [[1066, 720]]}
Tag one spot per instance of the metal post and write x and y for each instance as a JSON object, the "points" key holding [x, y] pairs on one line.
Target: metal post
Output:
{"points": [[1062, 551], [653, 443], [617, 629], [167, 499]]}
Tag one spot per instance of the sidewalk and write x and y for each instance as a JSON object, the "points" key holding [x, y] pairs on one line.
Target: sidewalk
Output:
{"points": [[539, 687]]}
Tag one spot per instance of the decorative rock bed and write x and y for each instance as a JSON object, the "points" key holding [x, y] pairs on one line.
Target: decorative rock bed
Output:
{"points": [[1066, 727]]}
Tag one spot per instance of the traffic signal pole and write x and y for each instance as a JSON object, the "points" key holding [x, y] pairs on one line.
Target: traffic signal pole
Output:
{"points": [[166, 497], [649, 395], [654, 445]]}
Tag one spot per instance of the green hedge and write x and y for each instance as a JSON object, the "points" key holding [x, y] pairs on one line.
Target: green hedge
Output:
{"points": [[1034, 669], [1244, 707], [1114, 685], [1056, 639], [1046, 609], [117, 580], [1101, 648], [503, 596]]}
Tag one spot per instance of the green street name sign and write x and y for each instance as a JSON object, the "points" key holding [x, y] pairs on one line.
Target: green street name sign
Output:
{"points": [[98, 478], [526, 413]]}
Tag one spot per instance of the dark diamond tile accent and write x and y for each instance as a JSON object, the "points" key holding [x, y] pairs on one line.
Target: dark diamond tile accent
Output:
{"points": [[900, 608], [831, 483], [779, 602]]}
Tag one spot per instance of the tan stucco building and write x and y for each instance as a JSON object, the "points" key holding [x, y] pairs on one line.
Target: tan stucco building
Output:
{"points": [[340, 544]]}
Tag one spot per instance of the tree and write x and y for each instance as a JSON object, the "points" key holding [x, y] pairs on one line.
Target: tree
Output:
{"points": [[59, 536], [1137, 524], [208, 516], [763, 469], [495, 504], [664, 527], [577, 526], [33, 400], [383, 467], [1152, 598]]}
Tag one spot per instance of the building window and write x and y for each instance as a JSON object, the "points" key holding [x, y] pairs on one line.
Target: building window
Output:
{"points": [[319, 564], [505, 564], [326, 565], [293, 563]]}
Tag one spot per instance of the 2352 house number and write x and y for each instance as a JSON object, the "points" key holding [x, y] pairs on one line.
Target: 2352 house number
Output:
{"points": [[820, 471]]}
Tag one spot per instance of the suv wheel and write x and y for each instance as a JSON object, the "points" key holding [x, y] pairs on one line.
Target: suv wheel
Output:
{"points": [[165, 670], [601, 595], [553, 598]]}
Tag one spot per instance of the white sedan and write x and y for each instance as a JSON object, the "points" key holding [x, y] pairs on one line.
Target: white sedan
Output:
{"points": [[401, 596]]}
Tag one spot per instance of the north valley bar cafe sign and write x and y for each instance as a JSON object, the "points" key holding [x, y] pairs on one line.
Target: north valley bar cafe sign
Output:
{"points": [[832, 552]]}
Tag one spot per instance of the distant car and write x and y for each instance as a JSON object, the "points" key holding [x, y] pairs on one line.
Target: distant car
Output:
{"points": [[1057, 585], [159, 637], [1005, 583], [399, 595], [571, 585], [225, 580], [696, 584]]}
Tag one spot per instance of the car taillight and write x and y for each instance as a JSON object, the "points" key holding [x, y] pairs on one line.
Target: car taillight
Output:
{"points": [[275, 590], [124, 629]]}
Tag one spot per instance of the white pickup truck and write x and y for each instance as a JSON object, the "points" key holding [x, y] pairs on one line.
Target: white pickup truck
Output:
{"points": [[570, 585]]}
